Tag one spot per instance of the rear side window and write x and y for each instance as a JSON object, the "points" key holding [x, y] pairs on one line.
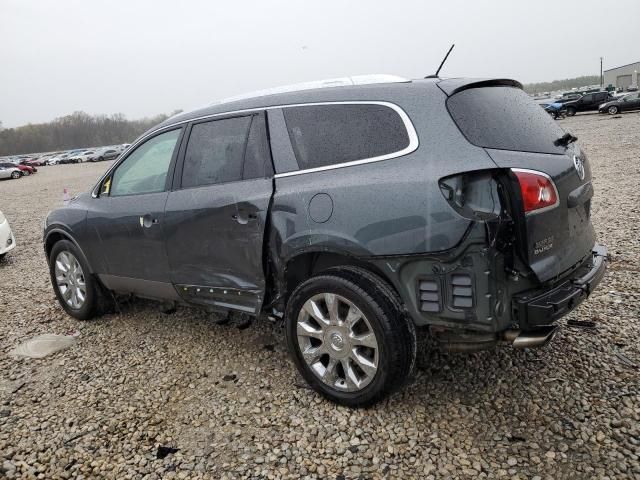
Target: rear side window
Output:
{"points": [[504, 118], [215, 152], [324, 135]]}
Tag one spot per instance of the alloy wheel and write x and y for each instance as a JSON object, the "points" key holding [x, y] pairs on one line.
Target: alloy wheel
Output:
{"points": [[613, 110], [337, 342], [70, 280]]}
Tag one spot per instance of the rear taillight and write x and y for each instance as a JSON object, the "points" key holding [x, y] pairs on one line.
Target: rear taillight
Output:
{"points": [[537, 189]]}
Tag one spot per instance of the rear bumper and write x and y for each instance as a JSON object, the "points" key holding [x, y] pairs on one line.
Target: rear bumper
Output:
{"points": [[543, 307]]}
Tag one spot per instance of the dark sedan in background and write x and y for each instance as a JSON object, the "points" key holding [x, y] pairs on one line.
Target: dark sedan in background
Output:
{"points": [[621, 104]]}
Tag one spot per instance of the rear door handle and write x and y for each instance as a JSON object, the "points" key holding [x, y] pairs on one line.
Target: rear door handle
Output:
{"points": [[242, 217], [147, 221]]}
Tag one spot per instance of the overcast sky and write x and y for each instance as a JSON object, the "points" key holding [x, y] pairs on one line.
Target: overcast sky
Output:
{"points": [[144, 57]]}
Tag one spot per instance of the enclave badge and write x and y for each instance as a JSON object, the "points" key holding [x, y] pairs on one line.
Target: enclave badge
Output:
{"points": [[579, 164]]}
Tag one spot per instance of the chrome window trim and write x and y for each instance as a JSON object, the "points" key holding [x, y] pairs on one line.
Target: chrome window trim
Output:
{"points": [[411, 132], [553, 184], [408, 125]]}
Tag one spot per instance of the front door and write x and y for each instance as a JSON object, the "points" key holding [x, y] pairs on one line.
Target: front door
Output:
{"points": [[215, 220], [126, 220]]}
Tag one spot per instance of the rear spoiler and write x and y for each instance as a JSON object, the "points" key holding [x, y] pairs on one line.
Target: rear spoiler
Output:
{"points": [[452, 86]]}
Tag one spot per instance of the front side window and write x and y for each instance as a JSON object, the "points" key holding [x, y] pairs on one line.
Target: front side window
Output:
{"points": [[331, 134], [215, 152], [145, 170]]}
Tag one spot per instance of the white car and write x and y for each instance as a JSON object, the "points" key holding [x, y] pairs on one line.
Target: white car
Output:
{"points": [[7, 240], [81, 157], [56, 160], [9, 172]]}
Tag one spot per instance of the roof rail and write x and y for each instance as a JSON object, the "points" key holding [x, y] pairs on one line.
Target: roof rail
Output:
{"points": [[332, 82]]}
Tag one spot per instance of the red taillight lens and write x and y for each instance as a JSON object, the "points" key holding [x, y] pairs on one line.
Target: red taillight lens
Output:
{"points": [[538, 190]]}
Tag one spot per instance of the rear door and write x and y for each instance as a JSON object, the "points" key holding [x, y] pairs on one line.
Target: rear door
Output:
{"points": [[215, 219], [517, 134]]}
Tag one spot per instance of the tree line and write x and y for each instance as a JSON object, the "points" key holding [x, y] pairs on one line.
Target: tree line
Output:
{"points": [[77, 130], [566, 84]]}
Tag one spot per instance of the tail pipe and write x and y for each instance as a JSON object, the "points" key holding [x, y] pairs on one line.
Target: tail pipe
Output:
{"points": [[535, 338]]}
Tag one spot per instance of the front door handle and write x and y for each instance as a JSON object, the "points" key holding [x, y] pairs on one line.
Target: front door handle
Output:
{"points": [[147, 221]]}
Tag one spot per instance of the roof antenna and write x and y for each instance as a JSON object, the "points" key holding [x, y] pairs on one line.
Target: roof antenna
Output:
{"points": [[435, 75]]}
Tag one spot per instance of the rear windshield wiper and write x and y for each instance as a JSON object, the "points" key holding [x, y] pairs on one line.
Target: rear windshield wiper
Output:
{"points": [[565, 140]]}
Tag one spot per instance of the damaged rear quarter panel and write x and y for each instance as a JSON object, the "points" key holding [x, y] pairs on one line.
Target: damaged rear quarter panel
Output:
{"points": [[390, 207]]}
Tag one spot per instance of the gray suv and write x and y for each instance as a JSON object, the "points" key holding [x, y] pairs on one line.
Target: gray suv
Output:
{"points": [[365, 216]]}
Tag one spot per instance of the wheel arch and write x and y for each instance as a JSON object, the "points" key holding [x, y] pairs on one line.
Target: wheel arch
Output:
{"points": [[54, 235], [304, 265]]}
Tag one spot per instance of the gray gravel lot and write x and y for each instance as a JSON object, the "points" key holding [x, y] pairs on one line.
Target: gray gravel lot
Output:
{"points": [[228, 397]]}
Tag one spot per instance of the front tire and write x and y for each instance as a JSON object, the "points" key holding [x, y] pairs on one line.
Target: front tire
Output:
{"points": [[571, 111], [77, 290], [612, 110], [26, 173], [349, 337], [15, 175]]}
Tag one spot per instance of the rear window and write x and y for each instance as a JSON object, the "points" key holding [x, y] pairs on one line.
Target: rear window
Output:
{"points": [[324, 135], [504, 118]]}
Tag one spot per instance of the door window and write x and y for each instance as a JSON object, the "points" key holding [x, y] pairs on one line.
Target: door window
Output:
{"points": [[215, 152], [145, 170], [257, 159], [324, 135]]}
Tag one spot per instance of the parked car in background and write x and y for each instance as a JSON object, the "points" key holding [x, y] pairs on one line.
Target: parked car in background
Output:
{"points": [[55, 160], [632, 88], [25, 170], [105, 154], [36, 162], [81, 157], [587, 103], [555, 109], [287, 182], [10, 172], [631, 101], [7, 240]]}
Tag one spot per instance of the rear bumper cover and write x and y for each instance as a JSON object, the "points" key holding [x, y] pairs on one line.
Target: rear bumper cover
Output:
{"points": [[543, 307]]}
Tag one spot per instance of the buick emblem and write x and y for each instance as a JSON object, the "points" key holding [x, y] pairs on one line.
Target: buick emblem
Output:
{"points": [[579, 164]]}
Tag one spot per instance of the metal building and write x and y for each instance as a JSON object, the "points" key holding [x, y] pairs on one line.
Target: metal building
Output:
{"points": [[623, 77]]}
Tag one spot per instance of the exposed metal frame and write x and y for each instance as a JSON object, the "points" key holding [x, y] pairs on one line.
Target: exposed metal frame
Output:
{"points": [[411, 132]]}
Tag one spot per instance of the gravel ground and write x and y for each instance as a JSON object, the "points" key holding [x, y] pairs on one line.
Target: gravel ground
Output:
{"points": [[228, 398]]}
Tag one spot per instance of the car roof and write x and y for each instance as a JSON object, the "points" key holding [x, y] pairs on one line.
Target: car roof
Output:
{"points": [[360, 87], [364, 88]]}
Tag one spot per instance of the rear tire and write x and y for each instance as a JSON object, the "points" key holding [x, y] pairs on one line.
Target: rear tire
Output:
{"points": [[15, 175], [26, 173], [612, 110], [368, 342], [95, 300], [571, 111], [101, 159]]}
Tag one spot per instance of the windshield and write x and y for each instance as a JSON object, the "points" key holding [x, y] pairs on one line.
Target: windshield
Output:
{"points": [[504, 118]]}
